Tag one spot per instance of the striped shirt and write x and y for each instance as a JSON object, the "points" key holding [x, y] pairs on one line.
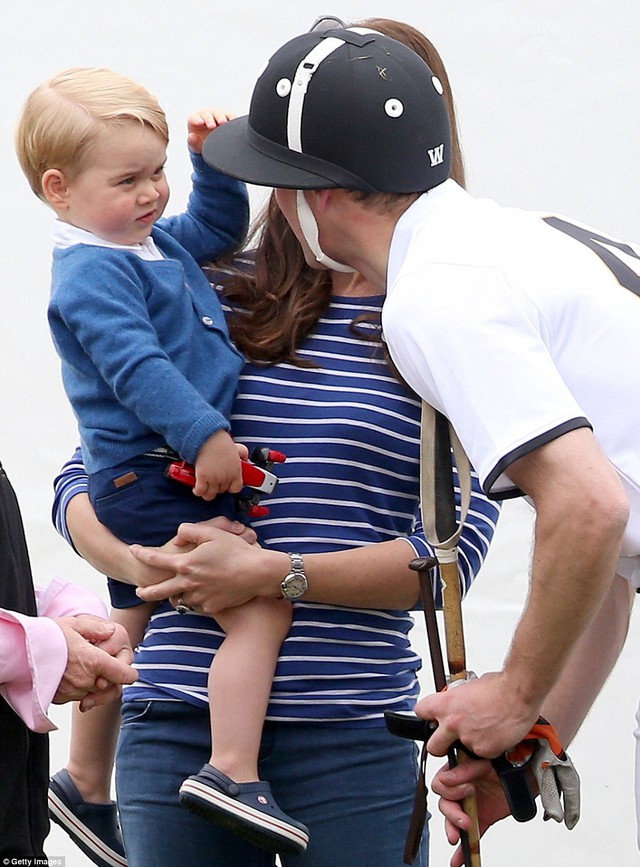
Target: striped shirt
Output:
{"points": [[350, 432]]}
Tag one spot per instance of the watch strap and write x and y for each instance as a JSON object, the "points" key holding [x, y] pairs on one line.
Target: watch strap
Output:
{"points": [[295, 584], [297, 563]]}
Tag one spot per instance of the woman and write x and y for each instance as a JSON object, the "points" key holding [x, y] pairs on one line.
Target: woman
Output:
{"points": [[316, 386]]}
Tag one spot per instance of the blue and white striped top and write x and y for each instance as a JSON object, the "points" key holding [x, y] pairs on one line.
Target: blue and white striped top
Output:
{"points": [[350, 432]]}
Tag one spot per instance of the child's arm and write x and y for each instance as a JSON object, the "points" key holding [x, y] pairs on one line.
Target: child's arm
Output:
{"points": [[201, 123], [217, 215]]}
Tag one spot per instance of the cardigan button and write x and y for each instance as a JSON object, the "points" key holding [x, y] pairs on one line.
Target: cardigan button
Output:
{"points": [[207, 320]]}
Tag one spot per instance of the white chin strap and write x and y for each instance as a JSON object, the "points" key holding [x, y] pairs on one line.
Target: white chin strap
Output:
{"points": [[309, 229], [299, 86]]}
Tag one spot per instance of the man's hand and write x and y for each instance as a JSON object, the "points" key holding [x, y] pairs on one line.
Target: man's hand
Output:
{"points": [[455, 784], [98, 661], [487, 714], [201, 123]]}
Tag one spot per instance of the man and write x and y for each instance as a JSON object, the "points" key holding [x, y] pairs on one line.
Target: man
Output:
{"points": [[69, 654], [521, 328]]}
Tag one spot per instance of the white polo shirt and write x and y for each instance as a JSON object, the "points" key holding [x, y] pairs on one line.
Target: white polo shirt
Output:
{"points": [[519, 327]]}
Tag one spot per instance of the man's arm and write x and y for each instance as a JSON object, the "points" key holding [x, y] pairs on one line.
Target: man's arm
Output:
{"points": [[581, 514], [593, 657], [45, 660]]}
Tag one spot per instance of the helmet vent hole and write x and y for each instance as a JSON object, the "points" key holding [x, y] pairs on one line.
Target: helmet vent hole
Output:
{"points": [[393, 107]]}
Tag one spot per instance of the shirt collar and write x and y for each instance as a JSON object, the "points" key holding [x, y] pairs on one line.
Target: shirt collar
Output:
{"points": [[65, 235]]}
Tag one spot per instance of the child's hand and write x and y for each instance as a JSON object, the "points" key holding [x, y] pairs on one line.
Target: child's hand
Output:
{"points": [[201, 123], [218, 467]]}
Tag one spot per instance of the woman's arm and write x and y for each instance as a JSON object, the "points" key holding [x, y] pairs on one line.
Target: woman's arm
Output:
{"points": [[475, 538], [105, 552], [223, 571], [76, 521], [360, 577], [218, 573], [97, 544]]}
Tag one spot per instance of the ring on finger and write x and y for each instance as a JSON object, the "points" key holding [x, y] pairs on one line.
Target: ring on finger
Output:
{"points": [[181, 608]]}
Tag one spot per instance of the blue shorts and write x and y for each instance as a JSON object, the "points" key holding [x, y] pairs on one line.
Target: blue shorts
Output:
{"points": [[352, 787], [147, 509]]}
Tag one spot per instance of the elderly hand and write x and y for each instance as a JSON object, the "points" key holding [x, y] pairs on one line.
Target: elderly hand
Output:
{"points": [[98, 661]]}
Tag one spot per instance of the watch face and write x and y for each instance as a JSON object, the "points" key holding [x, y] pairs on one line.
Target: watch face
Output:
{"points": [[294, 586]]}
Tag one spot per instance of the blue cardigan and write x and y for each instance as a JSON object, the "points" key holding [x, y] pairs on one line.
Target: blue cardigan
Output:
{"points": [[145, 350]]}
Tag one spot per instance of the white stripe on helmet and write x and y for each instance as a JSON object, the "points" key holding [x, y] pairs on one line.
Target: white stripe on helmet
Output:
{"points": [[299, 86]]}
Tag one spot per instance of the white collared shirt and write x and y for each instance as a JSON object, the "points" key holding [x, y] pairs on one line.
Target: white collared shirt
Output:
{"points": [[516, 326], [65, 235]]}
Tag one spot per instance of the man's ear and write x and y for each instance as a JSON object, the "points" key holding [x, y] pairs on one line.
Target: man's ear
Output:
{"points": [[55, 188], [319, 200]]}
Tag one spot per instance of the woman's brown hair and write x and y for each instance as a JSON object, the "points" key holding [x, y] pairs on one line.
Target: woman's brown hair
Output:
{"points": [[278, 302]]}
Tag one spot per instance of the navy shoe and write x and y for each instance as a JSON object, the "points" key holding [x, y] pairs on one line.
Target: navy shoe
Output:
{"points": [[249, 809], [92, 827]]}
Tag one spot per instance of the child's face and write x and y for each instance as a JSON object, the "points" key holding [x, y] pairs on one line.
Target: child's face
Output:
{"points": [[123, 191]]}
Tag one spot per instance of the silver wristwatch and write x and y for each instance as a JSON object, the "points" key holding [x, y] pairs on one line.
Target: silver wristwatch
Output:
{"points": [[295, 583]]}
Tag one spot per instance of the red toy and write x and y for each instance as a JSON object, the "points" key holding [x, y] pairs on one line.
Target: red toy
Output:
{"points": [[256, 476]]}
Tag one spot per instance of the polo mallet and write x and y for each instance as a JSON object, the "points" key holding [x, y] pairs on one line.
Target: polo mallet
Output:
{"points": [[443, 530], [424, 567]]}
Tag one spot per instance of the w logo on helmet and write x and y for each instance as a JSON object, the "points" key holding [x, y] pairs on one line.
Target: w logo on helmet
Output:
{"points": [[436, 155]]}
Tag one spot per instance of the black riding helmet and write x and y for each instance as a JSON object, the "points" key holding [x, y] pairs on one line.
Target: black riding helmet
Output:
{"points": [[346, 108]]}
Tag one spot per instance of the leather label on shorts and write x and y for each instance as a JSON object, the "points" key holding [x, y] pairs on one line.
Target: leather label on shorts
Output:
{"points": [[127, 479]]}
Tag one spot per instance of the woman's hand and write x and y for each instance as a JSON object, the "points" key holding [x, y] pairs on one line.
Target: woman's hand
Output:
{"points": [[147, 575], [213, 568]]}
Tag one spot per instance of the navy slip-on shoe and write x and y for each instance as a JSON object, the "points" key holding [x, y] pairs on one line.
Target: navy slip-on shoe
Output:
{"points": [[92, 827], [249, 809]]}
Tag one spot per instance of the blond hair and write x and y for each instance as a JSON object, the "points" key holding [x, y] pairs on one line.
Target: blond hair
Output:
{"points": [[63, 117]]}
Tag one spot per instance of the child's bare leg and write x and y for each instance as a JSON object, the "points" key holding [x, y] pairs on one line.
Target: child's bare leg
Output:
{"points": [[92, 751], [94, 734], [240, 680], [227, 790]]}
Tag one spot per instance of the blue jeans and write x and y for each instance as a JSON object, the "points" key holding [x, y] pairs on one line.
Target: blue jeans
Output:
{"points": [[353, 788]]}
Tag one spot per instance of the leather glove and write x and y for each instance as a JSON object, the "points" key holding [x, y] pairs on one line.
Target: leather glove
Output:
{"points": [[557, 778]]}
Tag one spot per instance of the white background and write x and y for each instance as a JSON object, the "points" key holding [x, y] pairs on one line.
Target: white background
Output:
{"points": [[547, 94]]}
